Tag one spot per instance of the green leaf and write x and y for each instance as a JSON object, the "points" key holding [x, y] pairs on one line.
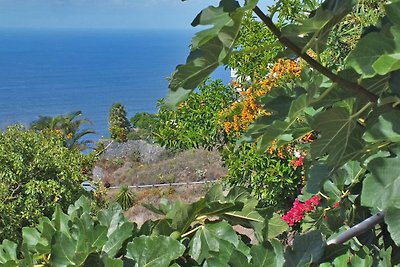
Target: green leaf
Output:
{"points": [[276, 226], [208, 237], [313, 32], [393, 11], [269, 254], [283, 126], [103, 260], [222, 257], [82, 204], [156, 251], [31, 237], [63, 250], [210, 47], [318, 174], [377, 52], [362, 258], [119, 229], [238, 259], [8, 253], [382, 186], [307, 249], [392, 219], [385, 128], [340, 136], [60, 221]]}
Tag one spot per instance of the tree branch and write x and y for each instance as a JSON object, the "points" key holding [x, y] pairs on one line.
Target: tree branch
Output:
{"points": [[358, 229], [354, 87]]}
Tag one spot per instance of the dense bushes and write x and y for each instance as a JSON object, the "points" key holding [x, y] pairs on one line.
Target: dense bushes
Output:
{"points": [[271, 176], [145, 125], [37, 172], [195, 123]]}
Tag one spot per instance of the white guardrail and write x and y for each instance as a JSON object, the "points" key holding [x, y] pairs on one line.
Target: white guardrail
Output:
{"points": [[89, 187], [166, 184]]}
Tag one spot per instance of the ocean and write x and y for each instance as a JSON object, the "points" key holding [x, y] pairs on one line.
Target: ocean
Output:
{"points": [[54, 72]]}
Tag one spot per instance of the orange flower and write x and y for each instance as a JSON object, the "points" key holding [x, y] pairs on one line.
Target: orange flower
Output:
{"points": [[236, 125], [228, 126]]}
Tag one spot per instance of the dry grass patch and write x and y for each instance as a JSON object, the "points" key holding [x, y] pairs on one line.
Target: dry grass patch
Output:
{"points": [[186, 166]]}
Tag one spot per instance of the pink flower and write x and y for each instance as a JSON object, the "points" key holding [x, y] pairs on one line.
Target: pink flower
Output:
{"points": [[298, 162], [296, 213]]}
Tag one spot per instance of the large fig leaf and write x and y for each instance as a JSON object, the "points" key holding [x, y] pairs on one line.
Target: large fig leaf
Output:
{"points": [[208, 239], [386, 128], [210, 47], [382, 186], [313, 32], [307, 249], [340, 136], [154, 251], [379, 52], [119, 229], [268, 254], [392, 219], [8, 254]]}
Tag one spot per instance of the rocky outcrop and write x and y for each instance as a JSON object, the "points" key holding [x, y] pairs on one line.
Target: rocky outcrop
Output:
{"points": [[144, 151]]}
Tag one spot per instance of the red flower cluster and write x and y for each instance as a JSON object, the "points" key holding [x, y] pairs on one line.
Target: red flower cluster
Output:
{"points": [[298, 162], [296, 213]]}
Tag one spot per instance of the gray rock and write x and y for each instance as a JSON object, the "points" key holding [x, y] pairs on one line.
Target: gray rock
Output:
{"points": [[98, 173], [142, 150]]}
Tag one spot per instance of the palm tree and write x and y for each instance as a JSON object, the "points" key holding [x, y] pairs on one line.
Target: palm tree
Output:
{"points": [[69, 126]]}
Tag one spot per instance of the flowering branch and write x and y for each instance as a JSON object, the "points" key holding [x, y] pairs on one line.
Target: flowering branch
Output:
{"points": [[358, 229], [354, 87]]}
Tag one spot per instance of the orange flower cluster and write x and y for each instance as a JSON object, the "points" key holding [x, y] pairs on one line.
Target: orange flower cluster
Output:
{"points": [[281, 151], [247, 110], [308, 138]]}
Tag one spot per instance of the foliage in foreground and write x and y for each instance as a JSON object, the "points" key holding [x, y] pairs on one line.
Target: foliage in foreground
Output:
{"points": [[197, 234], [37, 173], [352, 106]]}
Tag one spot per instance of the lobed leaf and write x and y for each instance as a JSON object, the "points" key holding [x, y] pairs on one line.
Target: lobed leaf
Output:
{"points": [[210, 48], [385, 128], [208, 239], [379, 52], [381, 187], [306, 249], [340, 136], [154, 251], [8, 253], [313, 32]]}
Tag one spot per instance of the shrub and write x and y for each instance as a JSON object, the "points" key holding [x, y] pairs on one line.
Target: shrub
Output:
{"points": [[271, 176], [195, 123], [145, 125], [37, 172], [125, 198], [119, 125]]}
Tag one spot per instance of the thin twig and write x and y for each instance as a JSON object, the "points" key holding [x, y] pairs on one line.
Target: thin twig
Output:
{"points": [[358, 229], [354, 87]]}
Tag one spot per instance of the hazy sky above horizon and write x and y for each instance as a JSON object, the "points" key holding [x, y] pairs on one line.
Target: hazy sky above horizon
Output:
{"points": [[143, 14]]}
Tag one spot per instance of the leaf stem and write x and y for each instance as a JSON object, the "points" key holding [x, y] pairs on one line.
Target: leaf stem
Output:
{"points": [[354, 87], [191, 231]]}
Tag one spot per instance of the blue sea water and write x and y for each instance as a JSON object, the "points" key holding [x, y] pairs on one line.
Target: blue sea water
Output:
{"points": [[53, 72]]}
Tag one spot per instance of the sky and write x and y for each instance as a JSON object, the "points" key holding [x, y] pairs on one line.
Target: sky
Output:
{"points": [[138, 14]]}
